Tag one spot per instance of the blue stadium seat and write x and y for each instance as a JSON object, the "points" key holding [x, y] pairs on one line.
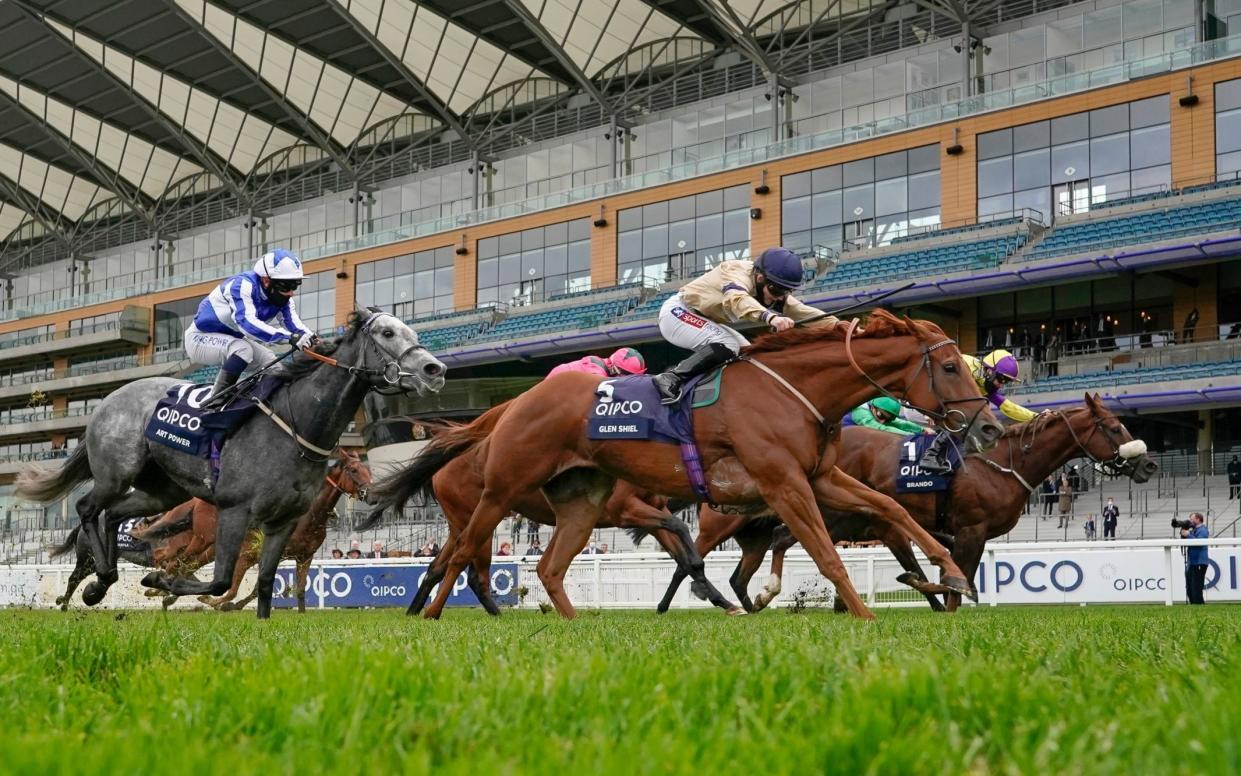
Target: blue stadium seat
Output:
{"points": [[1137, 228]]}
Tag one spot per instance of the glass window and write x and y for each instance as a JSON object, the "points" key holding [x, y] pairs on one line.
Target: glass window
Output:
{"points": [[924, 190], [891, 197], [1031, 136], [1109, 154], [859, 203], [995, 144], [827, 178], [860, 171], [890, 166], [923, 159], [1102, 27], [995, 176], [825, 208], [1145, 113], [795, 185], [1032, 168], [1070, 162], [795, 215], [1067, 129], [1107, 121]]}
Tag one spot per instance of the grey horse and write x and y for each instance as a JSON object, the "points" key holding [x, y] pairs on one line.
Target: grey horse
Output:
{"points": [[269, 470]]}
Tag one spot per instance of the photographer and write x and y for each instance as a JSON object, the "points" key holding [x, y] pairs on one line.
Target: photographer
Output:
{"points": [[1196, 558]]}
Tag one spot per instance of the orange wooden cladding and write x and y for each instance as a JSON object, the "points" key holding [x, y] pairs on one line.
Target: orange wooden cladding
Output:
{"points": [[1193, 160]]}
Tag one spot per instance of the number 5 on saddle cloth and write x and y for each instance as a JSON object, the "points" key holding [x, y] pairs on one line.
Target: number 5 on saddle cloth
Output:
{"points": [[182, 423]]}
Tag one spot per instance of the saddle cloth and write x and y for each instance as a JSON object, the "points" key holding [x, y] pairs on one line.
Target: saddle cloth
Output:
{"points": [[127, 542], [629, 408], [910, 478], [182, 423]]}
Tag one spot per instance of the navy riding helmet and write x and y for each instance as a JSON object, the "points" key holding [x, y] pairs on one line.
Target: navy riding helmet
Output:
{"points": [[781, 267]]}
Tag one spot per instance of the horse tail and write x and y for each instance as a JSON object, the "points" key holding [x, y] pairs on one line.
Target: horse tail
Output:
{"points": [[453, 439], [637, 535], [42, 484], [70, 542], [179, 525]]}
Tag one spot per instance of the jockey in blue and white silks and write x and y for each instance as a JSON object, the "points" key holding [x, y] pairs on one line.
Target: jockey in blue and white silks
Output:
{"points": [[246, 313]]}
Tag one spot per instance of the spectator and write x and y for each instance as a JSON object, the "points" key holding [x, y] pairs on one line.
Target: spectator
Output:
{"points": [[435, 548], [1090, 527], [377, 551], [534, 549], [1196, 559], [424, 551], [1111, 516], [591, 549], [603, 549], [515, 526], [353, 554], [532, 531], [1048, 491], [337, 554], [1064, 492], [1234, 478], [506, 549]]}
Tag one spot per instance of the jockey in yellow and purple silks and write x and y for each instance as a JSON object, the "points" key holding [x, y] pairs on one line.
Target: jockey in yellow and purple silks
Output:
{"points": [[625, 361], [992, 372]]}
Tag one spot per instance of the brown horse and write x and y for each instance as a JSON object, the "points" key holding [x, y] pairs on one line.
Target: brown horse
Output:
{"points": [[984, 500], [455, 479], [182, 540], [759, 442]]}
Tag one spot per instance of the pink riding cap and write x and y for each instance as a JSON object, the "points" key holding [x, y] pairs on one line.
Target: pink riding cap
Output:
{"points": [[623, 361]]}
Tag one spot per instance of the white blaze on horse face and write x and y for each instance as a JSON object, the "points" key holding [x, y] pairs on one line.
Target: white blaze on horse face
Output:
{"points": [[1133, 449]]}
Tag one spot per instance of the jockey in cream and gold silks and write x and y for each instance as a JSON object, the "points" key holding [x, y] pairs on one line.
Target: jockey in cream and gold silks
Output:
{"points": [[625, 361], [246, 313], [992, 372], [696, 317], [883, 414]]}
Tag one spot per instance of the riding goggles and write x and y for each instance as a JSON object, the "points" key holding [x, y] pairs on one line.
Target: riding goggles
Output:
{"points": [[285, 286]]}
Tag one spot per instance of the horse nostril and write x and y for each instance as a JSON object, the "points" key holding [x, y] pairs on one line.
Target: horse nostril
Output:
{"points": [[433, 370]]}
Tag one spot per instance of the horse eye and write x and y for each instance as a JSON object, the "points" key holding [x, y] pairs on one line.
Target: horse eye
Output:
{"points": [[388, 333], [950, 366]]}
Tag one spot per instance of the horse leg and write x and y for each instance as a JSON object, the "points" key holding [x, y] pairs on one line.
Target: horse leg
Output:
{"points": [[898, 545], [578, 497], [303, 575], [478, 577], [754, 539], [249, 556], [794, 501], [838, 491], [102, 529], [487, 515], [274, 543], [713, 530], [231, 531], [782, 542], [673, 535], [435, 573], [84, 567], [967, 552]]}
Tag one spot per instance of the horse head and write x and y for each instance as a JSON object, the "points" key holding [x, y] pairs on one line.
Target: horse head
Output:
{"points": [[350, 475], [938, 383], [1105, 441], [389, 355]]}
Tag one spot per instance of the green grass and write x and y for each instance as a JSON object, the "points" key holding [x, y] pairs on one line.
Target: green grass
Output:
{"points": [[1037, 691]]}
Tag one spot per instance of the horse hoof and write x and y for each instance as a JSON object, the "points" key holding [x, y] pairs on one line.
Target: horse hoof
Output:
{"points": [[737, 611], [152, 580], [958, 585], [911, 579], [93, 593]]}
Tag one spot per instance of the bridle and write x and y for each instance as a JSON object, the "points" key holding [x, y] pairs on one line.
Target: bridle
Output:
{"points": [[391, 371], [360, 491], [1115, 466], [952, 420]]}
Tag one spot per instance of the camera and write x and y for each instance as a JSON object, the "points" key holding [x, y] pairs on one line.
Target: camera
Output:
{"points": [[1185, 524]]}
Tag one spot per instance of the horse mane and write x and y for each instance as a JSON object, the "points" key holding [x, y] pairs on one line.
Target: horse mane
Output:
{"points": [[879, 325], [300, 365]]}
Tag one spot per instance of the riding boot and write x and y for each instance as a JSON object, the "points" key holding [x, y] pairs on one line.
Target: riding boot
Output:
{"points": [[223, 381], [935, 459], [670, 383]]}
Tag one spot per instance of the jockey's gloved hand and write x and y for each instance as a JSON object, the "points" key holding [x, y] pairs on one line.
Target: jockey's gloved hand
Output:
{"points": [[780, 323], [303, 341]]}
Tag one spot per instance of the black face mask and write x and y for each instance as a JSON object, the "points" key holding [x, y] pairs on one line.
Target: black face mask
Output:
{"points": [[280, 291]]}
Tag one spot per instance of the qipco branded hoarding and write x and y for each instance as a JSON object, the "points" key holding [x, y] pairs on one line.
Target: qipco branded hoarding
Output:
{"points": [[367, 585], [1129, 575]]}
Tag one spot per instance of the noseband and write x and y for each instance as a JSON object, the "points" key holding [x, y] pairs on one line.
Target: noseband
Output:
{"points": [[391, 371], [1115, 466]]}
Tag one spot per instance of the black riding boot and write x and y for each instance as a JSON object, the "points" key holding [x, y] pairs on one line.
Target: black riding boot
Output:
{"points": [[223, 381], [935, 459], [702, 360]]}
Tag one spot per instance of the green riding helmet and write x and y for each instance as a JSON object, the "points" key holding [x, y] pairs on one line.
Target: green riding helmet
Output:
{"points": [[888, 405]]}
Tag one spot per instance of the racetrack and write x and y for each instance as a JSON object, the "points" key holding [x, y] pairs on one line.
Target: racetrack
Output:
{"points": [[1023, 690]]}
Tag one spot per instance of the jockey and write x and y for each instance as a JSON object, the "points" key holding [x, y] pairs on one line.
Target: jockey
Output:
{"points": [[992, 372], [234, 324], [625, 361], [884, 414], [696, 318]]}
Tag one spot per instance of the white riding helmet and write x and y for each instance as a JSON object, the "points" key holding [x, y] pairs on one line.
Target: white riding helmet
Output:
{"points": [[279, 264]]}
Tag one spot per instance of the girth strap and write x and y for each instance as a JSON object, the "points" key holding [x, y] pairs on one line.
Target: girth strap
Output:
{"points": [[279, 421], [789, 387], [1007, 470]]}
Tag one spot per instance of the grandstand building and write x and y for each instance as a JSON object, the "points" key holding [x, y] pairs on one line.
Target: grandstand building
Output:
{"points": [[527, 180]]}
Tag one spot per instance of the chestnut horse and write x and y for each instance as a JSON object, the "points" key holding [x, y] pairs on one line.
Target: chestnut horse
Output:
{"points": [[182, 539], [759, 442], [455, 479], [984, 500]]}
